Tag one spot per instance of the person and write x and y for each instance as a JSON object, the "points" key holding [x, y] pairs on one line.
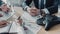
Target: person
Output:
{"points": [[41, 4], [50, 7]]}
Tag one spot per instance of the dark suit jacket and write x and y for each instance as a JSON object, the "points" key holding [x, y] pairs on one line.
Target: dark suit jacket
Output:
{"points": [[36, 3], [51, 5], [0, 2]]}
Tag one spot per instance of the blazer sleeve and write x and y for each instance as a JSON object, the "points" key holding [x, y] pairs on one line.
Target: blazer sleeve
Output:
{"points": [[54, 8]]}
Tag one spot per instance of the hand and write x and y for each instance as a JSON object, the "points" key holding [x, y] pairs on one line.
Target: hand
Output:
{"points": [[34, 11], [5, 8], [3, 22]]}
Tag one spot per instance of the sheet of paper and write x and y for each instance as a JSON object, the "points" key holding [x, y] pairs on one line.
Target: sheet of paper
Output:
{"points": [[17, 28], [33, 27]]}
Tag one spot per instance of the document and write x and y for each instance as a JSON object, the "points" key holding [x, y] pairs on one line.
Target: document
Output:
{"points": [[33, 27]]}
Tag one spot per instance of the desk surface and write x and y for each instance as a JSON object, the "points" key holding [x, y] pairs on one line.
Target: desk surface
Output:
{"points": [[54, 30]]}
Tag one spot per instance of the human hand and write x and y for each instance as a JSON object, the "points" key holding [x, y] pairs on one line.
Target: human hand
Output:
{"points": [[34, 11], [3, 23]]}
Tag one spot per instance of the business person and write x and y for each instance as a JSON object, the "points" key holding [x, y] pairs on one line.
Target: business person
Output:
{"points": [[51, 5], [48, 6]]}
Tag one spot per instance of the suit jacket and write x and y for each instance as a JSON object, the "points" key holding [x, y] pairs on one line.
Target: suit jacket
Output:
{"points": [[51, 5], [0, 2], [36, 3]]}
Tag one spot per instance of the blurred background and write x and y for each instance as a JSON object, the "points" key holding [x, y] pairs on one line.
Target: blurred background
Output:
{"points": [[19, 11], [14, 2]]}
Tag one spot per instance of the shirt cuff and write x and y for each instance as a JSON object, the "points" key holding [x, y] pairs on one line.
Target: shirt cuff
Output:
{"points": [[46, 11], [26, 8]]}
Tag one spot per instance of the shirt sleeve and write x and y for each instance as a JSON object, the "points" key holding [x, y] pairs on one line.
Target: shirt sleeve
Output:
{"points": [[46, 11]]}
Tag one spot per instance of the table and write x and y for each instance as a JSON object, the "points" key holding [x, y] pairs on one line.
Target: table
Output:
{"points": [[54, 30]]}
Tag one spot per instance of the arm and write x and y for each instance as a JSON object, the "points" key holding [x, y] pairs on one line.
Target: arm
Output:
{"points": [[52, 8], [54, 5]]}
